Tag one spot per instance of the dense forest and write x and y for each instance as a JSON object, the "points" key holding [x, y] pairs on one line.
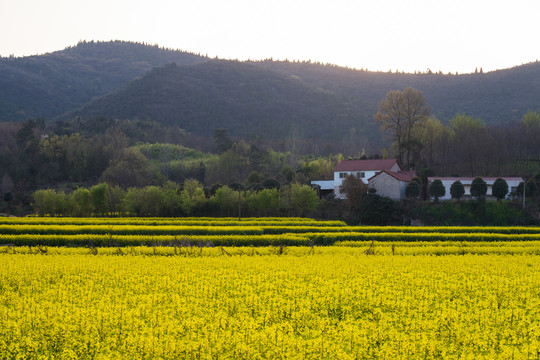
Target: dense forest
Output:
{"points": [[133, 116]]}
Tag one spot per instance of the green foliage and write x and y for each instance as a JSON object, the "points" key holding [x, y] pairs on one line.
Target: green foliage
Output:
{"points": [[254, 177], [412, 191], [170, 202], [437, 189], [46, 202], [495, 213], [417, 180], [303, 199], [531, 120], [130, 169], [457, 190], [380, 210], [499, 188], [264, 202], [478, 188], [531, 188], [271, 184], [192, 197], [81, 200], [462, 125], [98, 195], [222, 141], [227, 200]]}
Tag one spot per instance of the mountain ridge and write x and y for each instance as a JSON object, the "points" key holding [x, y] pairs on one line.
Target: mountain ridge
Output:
{"points": [[272, 99], [51, 84]]}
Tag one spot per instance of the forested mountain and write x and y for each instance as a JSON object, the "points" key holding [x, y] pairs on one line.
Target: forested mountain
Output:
{"points": [[244, 98], [49, 85], [273, 100], [495, 97]]}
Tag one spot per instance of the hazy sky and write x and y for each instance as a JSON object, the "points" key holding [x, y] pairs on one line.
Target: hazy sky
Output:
{"points": [[409, 35]]}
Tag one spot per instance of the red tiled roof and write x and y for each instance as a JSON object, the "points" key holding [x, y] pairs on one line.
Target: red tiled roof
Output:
{"points": [[405, 176], [365, 165]]}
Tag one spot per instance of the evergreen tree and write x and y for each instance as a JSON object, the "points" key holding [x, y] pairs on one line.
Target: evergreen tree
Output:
{"points": [[412, 191], [478, 189], [457, 190], [437, 189], [500, 189]]}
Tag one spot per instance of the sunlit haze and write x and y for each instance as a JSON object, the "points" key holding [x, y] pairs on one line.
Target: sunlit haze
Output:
{"points": [[449, 36]]}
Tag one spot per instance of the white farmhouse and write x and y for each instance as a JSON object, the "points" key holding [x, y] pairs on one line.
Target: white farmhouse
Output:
{"points": [[362, 169]]}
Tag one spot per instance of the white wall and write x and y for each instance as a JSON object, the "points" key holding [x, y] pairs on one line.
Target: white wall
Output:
{"points": [[338, 180], [512, 183]]}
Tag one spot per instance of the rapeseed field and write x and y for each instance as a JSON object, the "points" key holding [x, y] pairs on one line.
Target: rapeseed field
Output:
{"points": [[267, 303]]}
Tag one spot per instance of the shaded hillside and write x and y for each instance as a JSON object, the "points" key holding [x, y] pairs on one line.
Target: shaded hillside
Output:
{"points": [[498, 96], [51, 84], [244, 98], [275, 100]]}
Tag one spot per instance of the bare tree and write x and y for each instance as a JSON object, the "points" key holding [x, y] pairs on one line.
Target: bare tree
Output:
{"points": [[400, 113]]}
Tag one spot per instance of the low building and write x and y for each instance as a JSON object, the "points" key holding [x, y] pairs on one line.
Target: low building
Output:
{"points": [[391, 183], [364, 170], [447, 182]]}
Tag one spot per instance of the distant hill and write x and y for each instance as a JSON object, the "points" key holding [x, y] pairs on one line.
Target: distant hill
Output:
{"points": [[246, 99], [497, 96], [271, 99], [50, 85], [277, 100]]}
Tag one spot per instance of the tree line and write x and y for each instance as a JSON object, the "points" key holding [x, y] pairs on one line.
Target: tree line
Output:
{"points": [[479, 187], [466, 146], [66, 155], [172, 200]]}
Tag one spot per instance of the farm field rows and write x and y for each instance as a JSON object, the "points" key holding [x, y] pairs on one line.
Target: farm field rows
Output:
{"points": [[120, 232], [138, 288], [248, 303]]}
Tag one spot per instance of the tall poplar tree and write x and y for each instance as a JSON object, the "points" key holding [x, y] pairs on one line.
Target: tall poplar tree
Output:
{"points": [[399, 114]]}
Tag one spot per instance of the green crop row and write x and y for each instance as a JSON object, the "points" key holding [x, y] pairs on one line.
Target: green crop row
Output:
{"points": [[172, 221], [131, 229], [100, 240], [331, 238], [255, 239]]}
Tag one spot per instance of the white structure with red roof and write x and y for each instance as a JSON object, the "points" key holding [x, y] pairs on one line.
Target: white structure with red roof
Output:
{"points": [[362, 169], [391, 183]]}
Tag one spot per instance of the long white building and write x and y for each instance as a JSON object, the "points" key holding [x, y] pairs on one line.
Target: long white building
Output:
{"points": [[513, 183]]}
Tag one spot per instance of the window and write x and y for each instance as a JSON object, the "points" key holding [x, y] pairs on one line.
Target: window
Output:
{"points": [[342, 175], [360, 175]]}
